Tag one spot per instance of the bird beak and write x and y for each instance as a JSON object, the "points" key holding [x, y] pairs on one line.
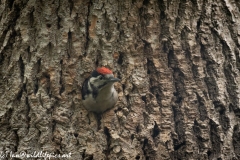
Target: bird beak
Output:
{"points": [[113, 79]]}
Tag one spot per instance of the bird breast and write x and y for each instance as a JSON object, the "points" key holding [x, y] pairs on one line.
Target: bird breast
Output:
{"points": [[106, 99]]}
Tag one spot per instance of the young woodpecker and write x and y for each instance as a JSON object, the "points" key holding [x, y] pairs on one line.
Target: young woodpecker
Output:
{"points": [[98, 92]]}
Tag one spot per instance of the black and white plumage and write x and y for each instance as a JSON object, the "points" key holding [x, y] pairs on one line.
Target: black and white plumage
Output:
{"points": [[98, 92]]}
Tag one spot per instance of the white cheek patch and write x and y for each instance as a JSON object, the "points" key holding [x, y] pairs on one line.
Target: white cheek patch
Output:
{"points": [[92, 79], [96, 82]]}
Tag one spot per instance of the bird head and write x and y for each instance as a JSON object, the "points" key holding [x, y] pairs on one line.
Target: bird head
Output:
{"points": [[102, 77]]}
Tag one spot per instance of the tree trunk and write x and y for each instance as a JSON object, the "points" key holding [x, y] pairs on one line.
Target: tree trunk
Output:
{"points": [[179, 62]]}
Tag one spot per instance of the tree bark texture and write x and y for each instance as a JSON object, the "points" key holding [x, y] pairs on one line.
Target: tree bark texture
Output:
{"points": [[178, 61]]}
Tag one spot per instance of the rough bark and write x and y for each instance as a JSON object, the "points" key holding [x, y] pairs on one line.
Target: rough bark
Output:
{"points": [[178, 61]]}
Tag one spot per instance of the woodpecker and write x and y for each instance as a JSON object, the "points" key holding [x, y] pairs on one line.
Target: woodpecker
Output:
{"points": [[98, 92]]}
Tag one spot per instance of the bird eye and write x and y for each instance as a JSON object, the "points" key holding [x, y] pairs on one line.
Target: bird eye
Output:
{"points": [[100, 77]]}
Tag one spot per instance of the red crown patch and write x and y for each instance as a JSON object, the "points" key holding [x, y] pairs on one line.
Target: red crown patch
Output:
{"points": [[104, 70]]}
